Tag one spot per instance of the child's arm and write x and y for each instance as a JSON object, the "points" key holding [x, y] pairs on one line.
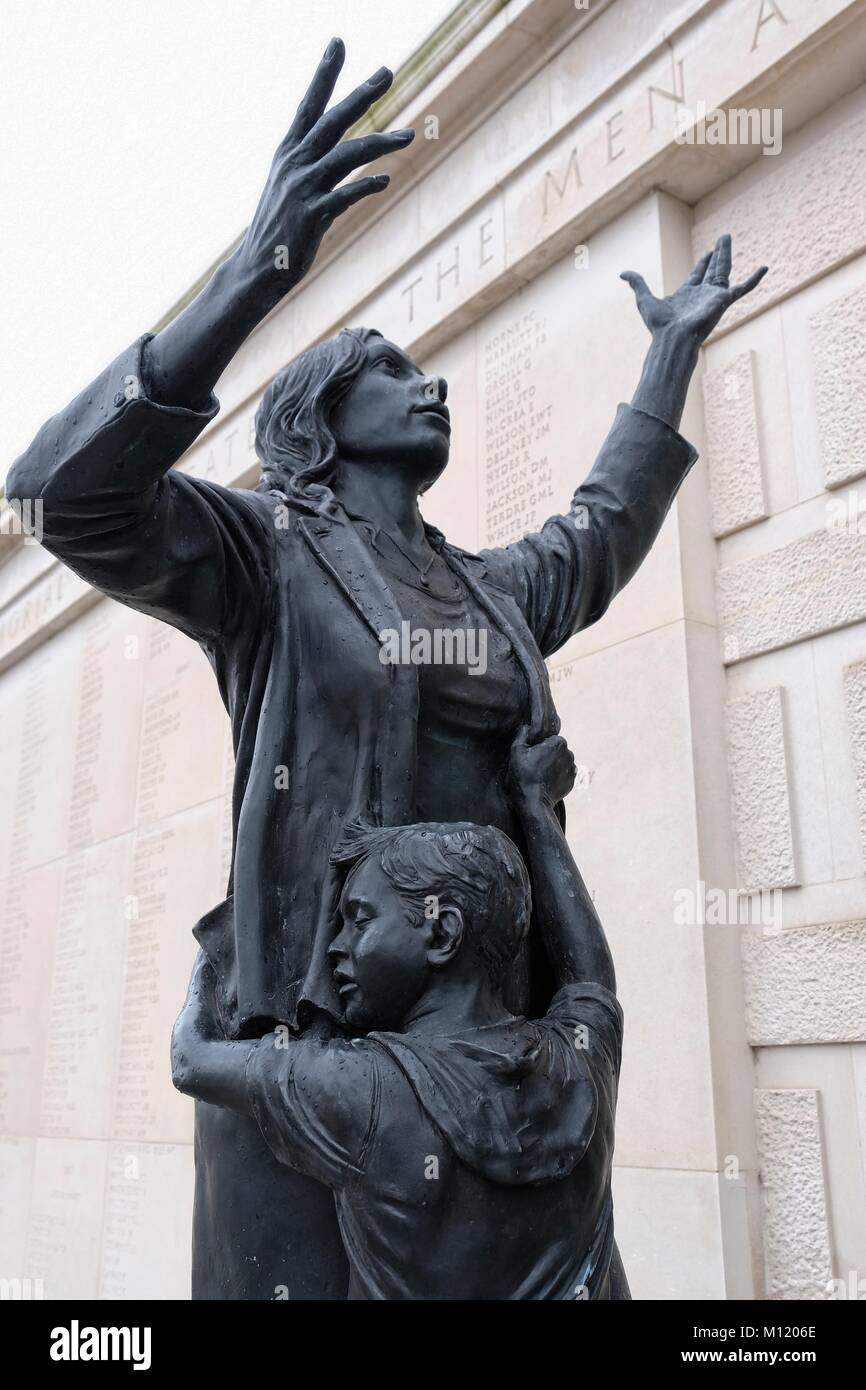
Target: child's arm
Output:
{"points": [[541, 775], [204, 1064], [314, 1100]]}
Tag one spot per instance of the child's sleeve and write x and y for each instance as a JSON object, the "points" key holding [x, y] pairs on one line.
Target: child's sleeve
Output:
{"points": [[592, 1016], [316, 1103]]}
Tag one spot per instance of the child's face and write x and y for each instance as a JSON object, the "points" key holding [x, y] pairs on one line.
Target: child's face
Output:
{"points": [[379, 959]]}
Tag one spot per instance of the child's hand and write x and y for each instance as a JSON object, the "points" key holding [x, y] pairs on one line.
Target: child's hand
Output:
{"points": [[197, 1024], [541, 769]]}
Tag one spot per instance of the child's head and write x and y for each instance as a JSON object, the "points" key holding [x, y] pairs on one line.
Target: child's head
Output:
{"points": [[416, 900]]}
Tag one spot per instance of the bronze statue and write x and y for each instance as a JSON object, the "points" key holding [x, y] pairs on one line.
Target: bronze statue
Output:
{"points": [[469, 1151], [289, 589]]}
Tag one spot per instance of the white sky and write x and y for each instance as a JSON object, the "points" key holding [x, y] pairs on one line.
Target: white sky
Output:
{"points": [[135, 136]]}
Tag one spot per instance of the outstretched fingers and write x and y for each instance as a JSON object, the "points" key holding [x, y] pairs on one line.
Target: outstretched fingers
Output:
{"points": [[318, 94], [349, 193], [638, 284], [719, 268], [333, 124], [748, 285], [351, 154], [700, 269]]}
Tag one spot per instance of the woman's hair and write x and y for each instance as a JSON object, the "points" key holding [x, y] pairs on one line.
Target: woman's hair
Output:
{"points": [[294, 442]]}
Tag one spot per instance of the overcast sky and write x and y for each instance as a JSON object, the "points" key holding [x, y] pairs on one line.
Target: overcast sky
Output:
{"points": [[135, 137]]}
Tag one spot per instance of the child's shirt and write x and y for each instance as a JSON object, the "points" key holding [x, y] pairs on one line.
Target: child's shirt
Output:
{"points": [[469, 1166]]}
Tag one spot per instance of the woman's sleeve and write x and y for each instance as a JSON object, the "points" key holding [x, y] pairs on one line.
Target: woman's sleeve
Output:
{"points": [[565, 575], [105, 499]]}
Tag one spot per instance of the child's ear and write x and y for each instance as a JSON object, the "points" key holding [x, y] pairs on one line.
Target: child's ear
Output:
{"points": [[446, 936]]}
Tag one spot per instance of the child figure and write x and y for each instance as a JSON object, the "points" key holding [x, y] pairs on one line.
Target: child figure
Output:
{"points": [[469, 1151]]}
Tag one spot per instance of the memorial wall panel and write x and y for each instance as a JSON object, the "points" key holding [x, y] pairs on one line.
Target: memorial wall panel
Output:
{"points": [[64, 1235], [795, 581], [117, 837], [174, 879], [146, 1222], [182, 728], [84, 992], [17, 1157], [41, 773], [623, 712], [109, 718], [31, 904]]}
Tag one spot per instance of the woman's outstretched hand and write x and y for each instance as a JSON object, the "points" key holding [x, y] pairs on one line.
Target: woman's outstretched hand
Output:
{"points": [[300, 199], [679, 324], [698, 305], [299, 202]]}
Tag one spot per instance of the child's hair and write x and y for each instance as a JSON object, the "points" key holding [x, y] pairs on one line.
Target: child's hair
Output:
{"points": [[294, 441], [475, 868]]}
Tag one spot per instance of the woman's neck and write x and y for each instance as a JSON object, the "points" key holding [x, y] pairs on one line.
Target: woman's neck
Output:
{"points": [[387, 496]]}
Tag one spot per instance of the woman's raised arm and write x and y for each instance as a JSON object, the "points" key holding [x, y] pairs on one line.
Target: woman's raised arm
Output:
{"points": [[297, 206], [100, 472], [565, 575]]}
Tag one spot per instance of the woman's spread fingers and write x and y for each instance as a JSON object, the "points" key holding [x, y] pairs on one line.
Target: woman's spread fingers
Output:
{"points": [[333, 124], [351, 154], [348, 193], [700, 269], [637, 283], [755, 279], [719, 268], [318, 94]]}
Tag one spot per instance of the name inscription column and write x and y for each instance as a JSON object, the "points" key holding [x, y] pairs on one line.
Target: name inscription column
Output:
{"points": [[515, 417]]}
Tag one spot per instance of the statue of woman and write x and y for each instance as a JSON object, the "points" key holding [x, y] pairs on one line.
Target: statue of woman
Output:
{"points": [[289, 588]]}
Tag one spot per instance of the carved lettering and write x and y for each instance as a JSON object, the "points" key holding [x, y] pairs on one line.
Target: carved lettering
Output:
{"points": [[573, 166], [769, 10]]}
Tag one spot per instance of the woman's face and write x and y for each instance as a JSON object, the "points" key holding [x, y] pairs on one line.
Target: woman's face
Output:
{"points": [[393, 413]]}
